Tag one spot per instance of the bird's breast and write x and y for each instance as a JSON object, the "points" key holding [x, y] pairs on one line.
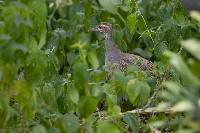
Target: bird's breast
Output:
{"points": [[112, 57]]}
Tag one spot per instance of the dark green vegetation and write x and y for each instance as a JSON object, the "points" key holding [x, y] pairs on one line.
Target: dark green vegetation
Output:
{"points": [[52, 77]]}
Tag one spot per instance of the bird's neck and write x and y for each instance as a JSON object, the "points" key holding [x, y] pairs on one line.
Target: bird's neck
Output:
{"points": [[109, 43]]}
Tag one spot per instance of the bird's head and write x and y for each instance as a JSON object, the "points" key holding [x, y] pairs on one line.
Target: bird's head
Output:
{"points": [[103, 27]]}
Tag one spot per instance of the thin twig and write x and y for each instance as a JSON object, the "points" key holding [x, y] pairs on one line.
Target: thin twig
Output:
{"points": [[153, 97], [145, 23]]}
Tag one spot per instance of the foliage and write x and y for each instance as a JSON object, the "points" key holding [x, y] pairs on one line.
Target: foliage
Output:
{"points": [[52, 76]]}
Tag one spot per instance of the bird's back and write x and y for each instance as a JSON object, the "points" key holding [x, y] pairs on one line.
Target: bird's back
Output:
{"points": [[139, 61]]}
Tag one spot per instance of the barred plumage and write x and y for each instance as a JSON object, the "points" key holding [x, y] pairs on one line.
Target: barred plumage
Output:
{"points": [[115, 58]]}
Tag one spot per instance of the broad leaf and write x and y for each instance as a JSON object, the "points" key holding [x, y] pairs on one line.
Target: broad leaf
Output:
{"points": [[183, 69], [70, 123], [92, 58], [106, 127], [109, 6], [131, 22], [87, 106], [193, 46], [138, 91], [132, 122]]}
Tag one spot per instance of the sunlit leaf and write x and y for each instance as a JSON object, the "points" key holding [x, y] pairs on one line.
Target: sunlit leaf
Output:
{"points": [[183, 69], [173, 87], [131, 22], [64, 2], [195, 15], [193, 46], [93, 60], [157, 123], [183, 106], [42, 38]]}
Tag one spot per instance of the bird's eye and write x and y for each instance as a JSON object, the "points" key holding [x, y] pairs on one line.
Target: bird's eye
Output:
{"points": [[100, 27]]}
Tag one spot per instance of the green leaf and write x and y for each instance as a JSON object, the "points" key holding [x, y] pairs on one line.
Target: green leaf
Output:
{"points": [[160, 123], [119, 78], [195, 15], [183, 106], [42, 38], [194, 67], [23, 94], [92, 58], [183, 69], [9, 71], [21, 47], [74, 95], [138, 91], [173, 87], [47, 93], [131, 120], [80, 74], [39, 129], [159, 49], [131, 22], [193, 46], [109, 5], [39, 13], [22, 91], [87, 106], [36, 65], [4, 109], [70, 123], [141, 26], [63, 2], [186, 130], [145, 92], [39, 20], [116, 110], [97, 91], [133, 93], [53, 130], [106, 127]]}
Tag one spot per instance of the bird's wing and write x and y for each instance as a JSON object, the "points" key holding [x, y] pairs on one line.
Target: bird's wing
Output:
{"points": [[139, 61]]}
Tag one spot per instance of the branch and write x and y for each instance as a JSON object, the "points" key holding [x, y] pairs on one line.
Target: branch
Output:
{"points": [[151, 110], [153, 97], [157, 90]]}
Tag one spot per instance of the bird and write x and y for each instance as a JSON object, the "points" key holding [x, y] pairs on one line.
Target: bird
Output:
{"points": [[115, 58]]}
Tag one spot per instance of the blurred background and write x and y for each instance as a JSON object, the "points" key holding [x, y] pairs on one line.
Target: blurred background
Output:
{"points": [[192, 4]]}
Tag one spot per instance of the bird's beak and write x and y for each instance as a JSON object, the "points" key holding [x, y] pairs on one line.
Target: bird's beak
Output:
{"points": [[94, 29]]}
